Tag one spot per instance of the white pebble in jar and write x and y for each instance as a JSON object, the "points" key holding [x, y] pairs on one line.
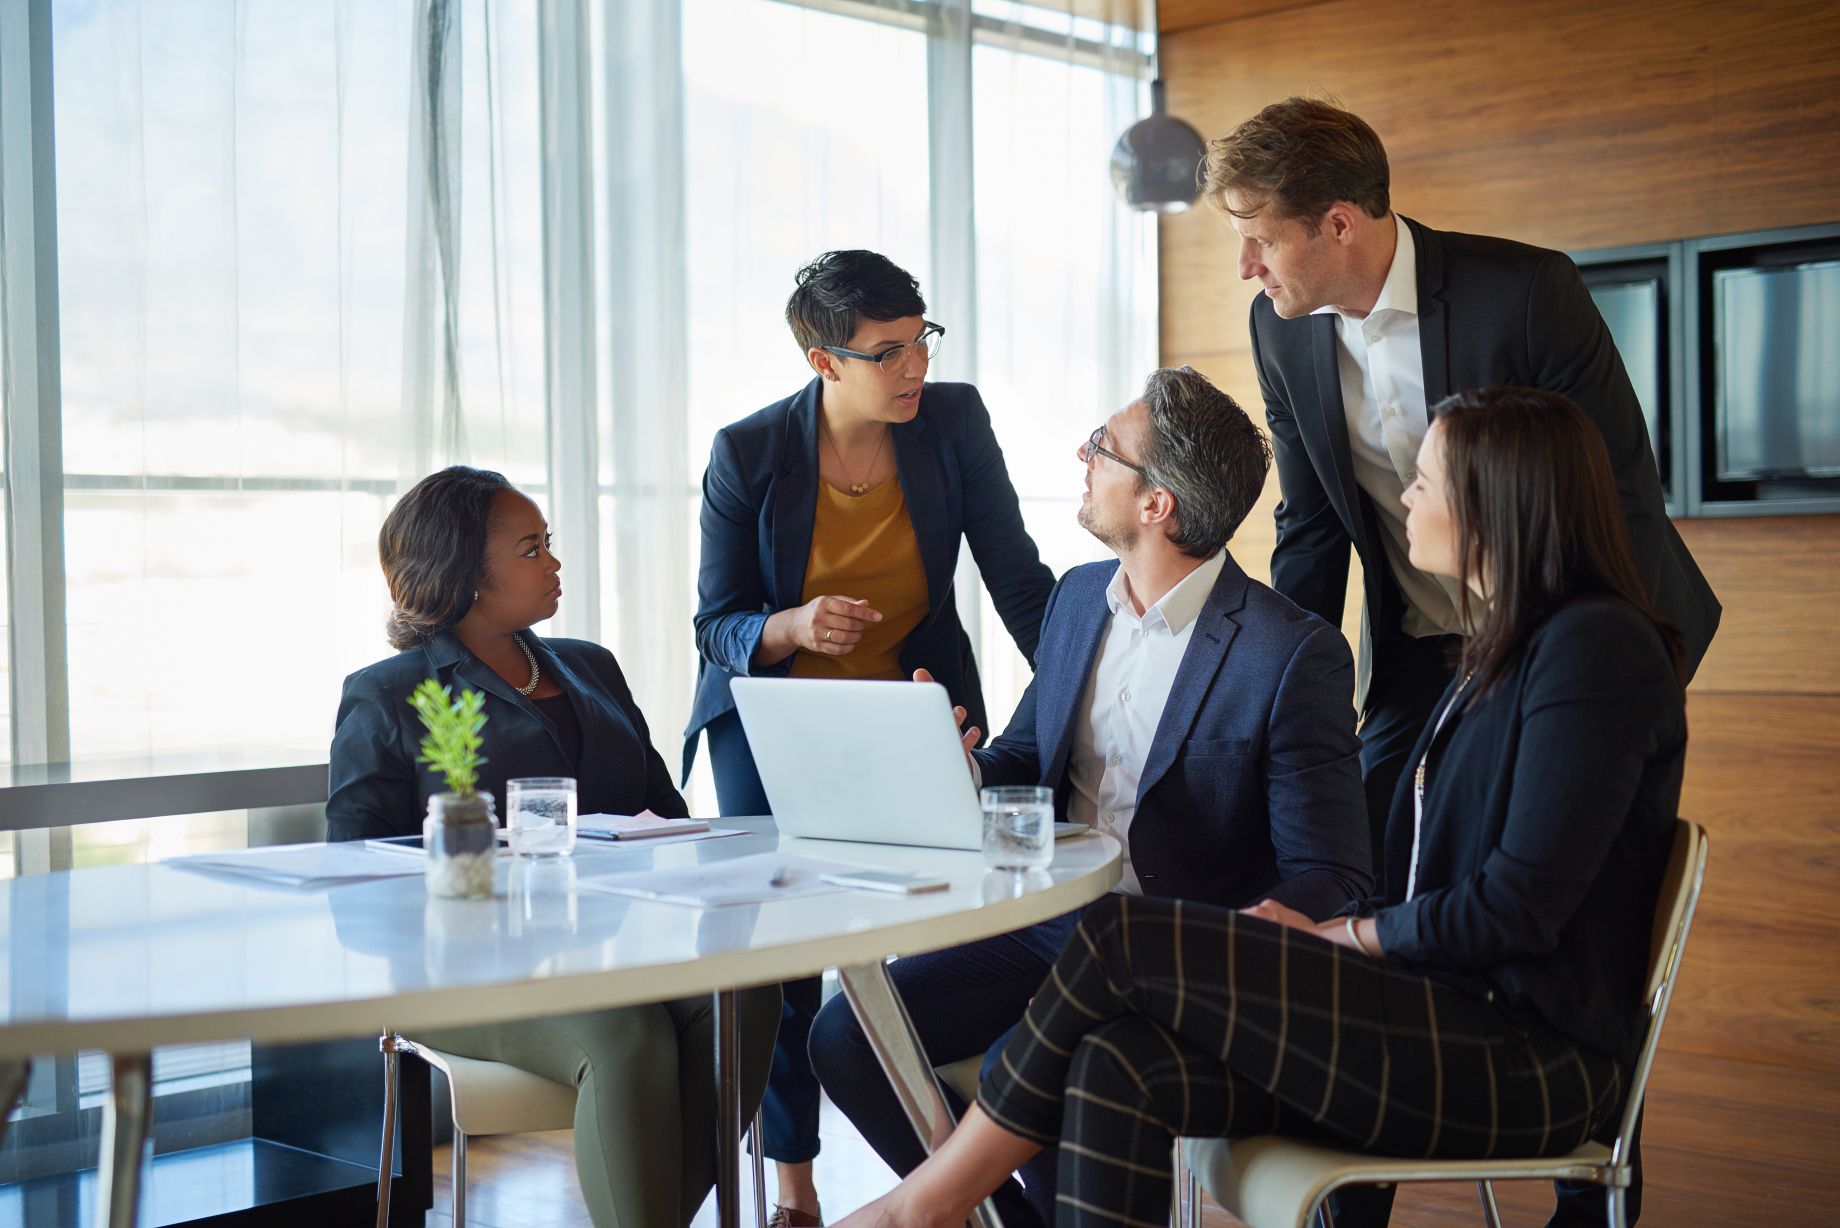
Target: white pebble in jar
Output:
{"points": [[460, 875]]}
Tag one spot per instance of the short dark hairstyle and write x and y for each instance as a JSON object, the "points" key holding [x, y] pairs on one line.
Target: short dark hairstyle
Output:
{"points": [[1535, 507], [839, 290], [431, 546], [1205, 451], [1299, 157]]}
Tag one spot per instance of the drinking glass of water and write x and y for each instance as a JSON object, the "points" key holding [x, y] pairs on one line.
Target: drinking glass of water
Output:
{"points": [[1018, 826], [540, 814]]}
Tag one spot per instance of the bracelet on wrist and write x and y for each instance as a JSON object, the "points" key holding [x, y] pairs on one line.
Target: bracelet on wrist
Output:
{"points": [[1354, 936]]}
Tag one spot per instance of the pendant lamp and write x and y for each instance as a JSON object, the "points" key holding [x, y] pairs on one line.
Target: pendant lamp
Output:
{"points": [[1156, 164]]}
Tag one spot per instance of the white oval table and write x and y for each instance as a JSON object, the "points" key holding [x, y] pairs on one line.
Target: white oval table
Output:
{"points": [[125, 959]]}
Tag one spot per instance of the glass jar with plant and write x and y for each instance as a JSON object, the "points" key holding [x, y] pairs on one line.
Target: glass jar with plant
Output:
{"points": [[460, 834]]}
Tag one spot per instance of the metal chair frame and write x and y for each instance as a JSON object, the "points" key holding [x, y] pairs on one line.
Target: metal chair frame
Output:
{"points": [[393, 1046], [1326, 1169]]}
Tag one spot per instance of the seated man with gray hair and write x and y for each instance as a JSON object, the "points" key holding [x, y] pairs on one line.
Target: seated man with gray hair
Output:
{"points": [[1178, 705]]}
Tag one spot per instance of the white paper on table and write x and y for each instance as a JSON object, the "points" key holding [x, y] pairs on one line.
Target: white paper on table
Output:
{"points": [[586, 841], [744, 880], [642, 826], [305, 865]]}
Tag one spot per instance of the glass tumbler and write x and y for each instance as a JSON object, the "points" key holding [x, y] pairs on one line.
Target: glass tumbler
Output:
{"points": [[1018, 826], [540, 815]]}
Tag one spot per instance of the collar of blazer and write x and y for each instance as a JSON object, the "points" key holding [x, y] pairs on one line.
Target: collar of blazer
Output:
{"points": [[1433, 311], [445, 651], [1213, 633], [795, 499]]}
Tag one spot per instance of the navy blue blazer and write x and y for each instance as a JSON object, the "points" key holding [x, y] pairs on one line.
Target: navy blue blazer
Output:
{"points": [[1252, 787], [378, 789], [1491, 312], [1550, 806], [760, 498]]}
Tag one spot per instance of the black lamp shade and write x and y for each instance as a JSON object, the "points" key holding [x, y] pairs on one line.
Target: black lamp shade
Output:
{"points": [[1156, 163]]}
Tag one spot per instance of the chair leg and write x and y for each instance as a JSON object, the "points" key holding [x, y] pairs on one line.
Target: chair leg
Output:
{"points": [[759, 1164], [385, 1160], [459, 1176], [1188, 1193], [1491, 1213], [1619, 1211]]}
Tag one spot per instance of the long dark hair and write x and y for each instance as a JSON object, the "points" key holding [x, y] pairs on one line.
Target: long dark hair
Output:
{"points": [[1536, 511], [431, 547]]}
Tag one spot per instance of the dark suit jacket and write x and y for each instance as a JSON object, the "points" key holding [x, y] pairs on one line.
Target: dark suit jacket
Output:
{"points": [[1491, 312], [760, 497], [378, 789], [1550, 805], [1252, 787]]}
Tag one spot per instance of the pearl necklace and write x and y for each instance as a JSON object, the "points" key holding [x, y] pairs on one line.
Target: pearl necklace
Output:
{"points": [[536, 675]]}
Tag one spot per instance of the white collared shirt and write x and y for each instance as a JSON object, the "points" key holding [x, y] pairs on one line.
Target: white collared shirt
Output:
{"points": [[1383, 398], [1122, 705]]}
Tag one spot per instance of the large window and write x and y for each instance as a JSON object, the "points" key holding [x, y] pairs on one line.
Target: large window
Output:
{"points": [[310, 250]]}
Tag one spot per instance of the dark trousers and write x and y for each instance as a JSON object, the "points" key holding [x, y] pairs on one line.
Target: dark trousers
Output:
{"points": [[789, 1112], [964, 1001], [1164, 1018]]}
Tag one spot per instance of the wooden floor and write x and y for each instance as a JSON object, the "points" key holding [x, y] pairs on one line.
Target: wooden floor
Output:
{"points": [[1728, 1143]]}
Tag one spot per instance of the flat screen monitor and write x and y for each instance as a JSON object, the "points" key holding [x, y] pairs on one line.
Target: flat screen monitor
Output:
{"points": [[1632, 297], [1775, 378]]}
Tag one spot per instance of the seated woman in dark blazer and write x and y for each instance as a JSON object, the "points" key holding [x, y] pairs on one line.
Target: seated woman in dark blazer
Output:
{"points": [[469, 566], [831, 523], [1488, 1003]]}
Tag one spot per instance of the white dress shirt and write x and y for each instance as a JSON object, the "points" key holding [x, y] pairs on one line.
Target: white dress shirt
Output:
{"points": [[1383, 397], [1123, 702]]}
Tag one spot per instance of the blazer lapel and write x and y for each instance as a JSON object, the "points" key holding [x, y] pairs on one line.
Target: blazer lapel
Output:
{"points": [[923, 487], [469, 670], [795, 497], [1201, 661], [1066, 682], [1433, 313]]}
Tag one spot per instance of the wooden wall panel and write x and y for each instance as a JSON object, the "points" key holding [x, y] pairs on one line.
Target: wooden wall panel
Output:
{"points": [[1779, 580], [1568, 124], [1580, 126]]}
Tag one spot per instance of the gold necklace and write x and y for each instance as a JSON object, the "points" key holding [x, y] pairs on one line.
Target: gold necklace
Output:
{"points": [[856, 488]]}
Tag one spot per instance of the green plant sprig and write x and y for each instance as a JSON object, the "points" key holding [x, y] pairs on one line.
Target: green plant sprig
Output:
{"points": [[452, 745]]}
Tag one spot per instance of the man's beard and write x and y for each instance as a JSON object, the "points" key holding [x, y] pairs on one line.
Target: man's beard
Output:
{"points": [[1117, 539]]}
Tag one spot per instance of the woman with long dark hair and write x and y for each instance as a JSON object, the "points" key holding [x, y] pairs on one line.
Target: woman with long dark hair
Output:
{"points": [[469, 565], [1488, 1002]]}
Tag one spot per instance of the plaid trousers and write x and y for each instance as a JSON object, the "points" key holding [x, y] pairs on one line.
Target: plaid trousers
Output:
{"points": [[1164, 1018]]}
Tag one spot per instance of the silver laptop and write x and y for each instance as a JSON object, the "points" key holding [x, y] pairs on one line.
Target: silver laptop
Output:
{"points": [[872, 761]]}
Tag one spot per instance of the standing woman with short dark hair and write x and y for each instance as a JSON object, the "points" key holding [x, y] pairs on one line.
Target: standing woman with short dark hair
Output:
{"points": [[470, 568], [1488, 1003], [831, 524]]}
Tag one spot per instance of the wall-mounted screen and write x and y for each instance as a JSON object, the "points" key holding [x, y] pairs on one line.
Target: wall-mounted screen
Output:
{"points": [[1776, 371], [1631, 295]]}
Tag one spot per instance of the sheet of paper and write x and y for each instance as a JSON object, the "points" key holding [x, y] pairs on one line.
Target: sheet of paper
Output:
{"points": [[642, 826], [305, 865], [588, 840], [744, 880]]}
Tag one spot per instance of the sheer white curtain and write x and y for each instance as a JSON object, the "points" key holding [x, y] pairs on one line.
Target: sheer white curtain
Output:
{"points": [[290, 283]]}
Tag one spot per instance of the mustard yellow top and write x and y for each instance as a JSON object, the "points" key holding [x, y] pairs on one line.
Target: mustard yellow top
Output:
{"points": [[864, 547]]}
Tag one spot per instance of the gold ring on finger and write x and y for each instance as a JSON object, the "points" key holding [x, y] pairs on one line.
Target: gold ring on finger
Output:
{"points": [[827, 635]]}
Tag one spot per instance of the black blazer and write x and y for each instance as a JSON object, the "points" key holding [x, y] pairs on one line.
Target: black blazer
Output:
{"points": [[378, 789], [1550, 806], [760, 498], [1252, 786], [1491, 312]]}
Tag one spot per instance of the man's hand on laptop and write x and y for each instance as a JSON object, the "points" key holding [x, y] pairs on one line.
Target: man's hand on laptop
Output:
{"points": [[967, 739]]}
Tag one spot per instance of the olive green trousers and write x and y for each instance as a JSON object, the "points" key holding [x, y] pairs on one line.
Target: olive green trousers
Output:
{"points": [[645, 1113]]}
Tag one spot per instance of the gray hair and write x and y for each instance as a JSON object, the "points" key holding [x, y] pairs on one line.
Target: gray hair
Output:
{"points": [[1205, 451]]}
